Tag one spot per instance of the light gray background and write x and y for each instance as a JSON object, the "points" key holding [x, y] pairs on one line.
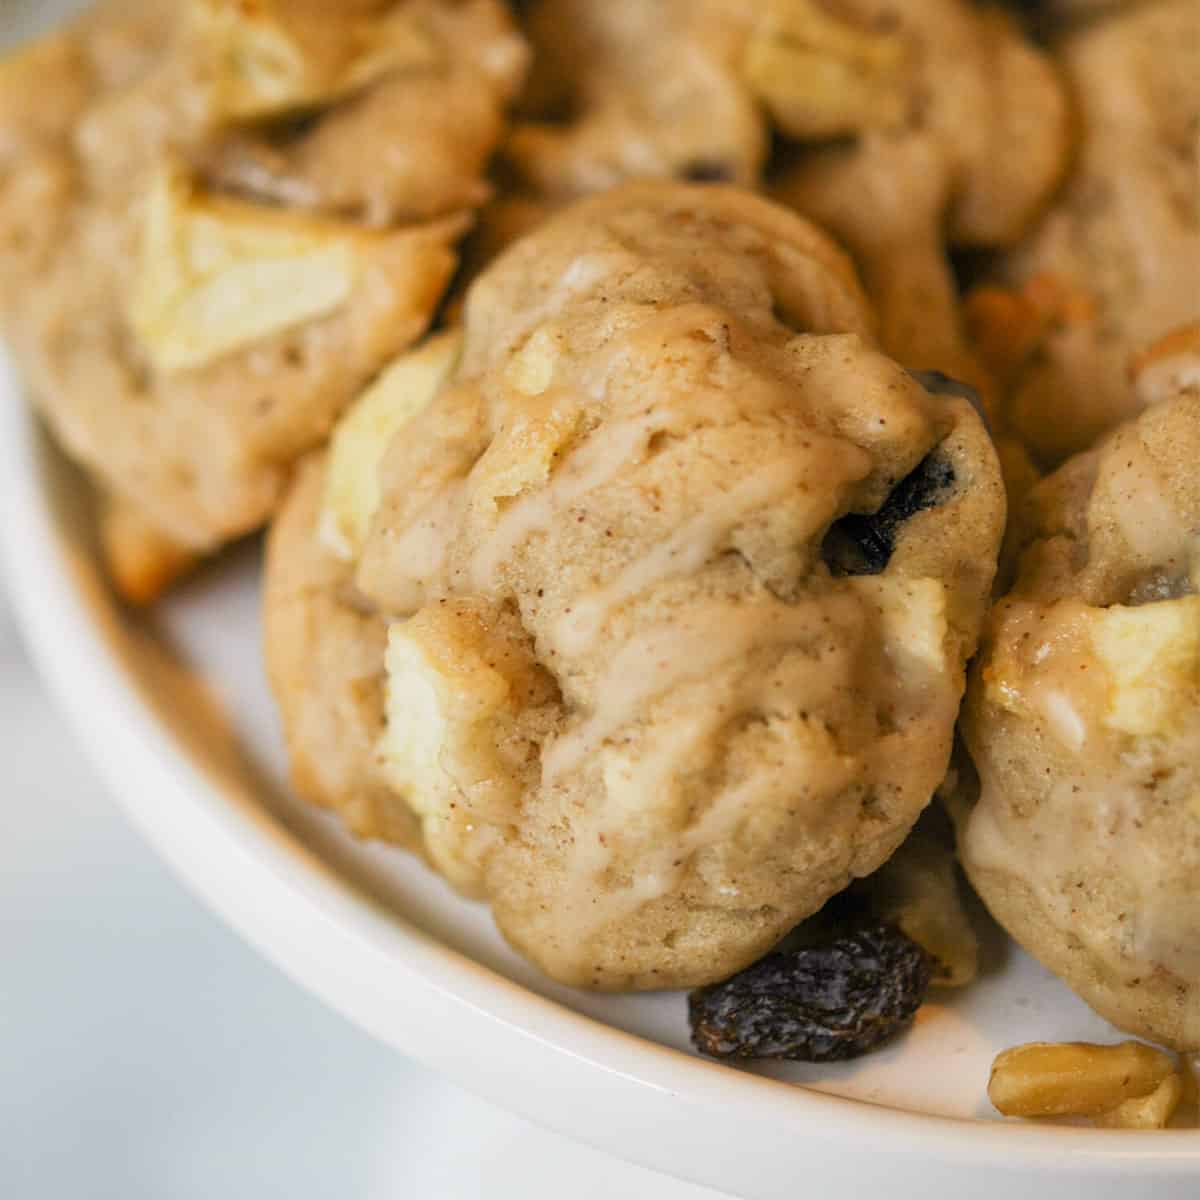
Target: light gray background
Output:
{"points": [[147, 1054]]}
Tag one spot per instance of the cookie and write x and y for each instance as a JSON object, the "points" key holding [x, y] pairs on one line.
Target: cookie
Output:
{"points": [[225, 220], [142, 562], [958, 130], [959, 139], [1083, 716], [1113, 267], [680, 574], [324, 651], [635, 89]]}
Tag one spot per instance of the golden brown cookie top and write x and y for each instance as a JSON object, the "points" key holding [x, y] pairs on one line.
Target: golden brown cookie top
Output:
{"points": [[646, 553], [564, 330], [1117, 525]]}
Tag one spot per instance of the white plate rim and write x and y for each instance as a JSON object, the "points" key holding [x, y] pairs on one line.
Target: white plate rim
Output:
{"points": [[439, 1007]]}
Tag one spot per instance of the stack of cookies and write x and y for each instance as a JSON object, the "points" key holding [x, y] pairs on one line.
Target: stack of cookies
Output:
{"points": [[675, 420]]}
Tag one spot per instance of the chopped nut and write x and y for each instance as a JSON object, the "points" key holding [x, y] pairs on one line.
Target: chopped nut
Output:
{"points": [[822, 77], [1146, 1112], [1189, 1069], [1057, 1079]]}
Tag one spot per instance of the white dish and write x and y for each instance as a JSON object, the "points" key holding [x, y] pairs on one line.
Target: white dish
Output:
{"points": [[175, 713]]}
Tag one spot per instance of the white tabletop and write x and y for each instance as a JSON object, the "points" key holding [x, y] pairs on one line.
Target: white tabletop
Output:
{"points": [[145, 1052]]}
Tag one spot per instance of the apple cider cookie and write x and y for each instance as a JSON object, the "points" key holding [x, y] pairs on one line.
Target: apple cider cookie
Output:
{"points": [[1083, 717], [219, 220], [680, 576], [635, 89], [324, 642], [1114, 265], [324, 651], [954, 131]]}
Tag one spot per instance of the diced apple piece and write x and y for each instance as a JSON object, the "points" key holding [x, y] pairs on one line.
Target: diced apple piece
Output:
{"points": [[277, 56], [1152, 656], [362, 436], [913, 611], [455, 685], [823, 77], [218, 274]]}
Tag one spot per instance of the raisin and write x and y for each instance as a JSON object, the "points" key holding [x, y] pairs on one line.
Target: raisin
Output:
{"points": [[1040, 19], [817, 1003], [294, 127], [862, 544], [706, 171]]}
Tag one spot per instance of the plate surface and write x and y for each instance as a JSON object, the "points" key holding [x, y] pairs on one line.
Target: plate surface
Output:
{"points": [[175, 712]]}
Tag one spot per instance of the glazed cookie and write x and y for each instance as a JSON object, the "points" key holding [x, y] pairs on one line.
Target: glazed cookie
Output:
{"points": [[324, 650], [1114, 266], [1083, 718], [324, 642], [681, 575], [957, 133], [221, 224]]}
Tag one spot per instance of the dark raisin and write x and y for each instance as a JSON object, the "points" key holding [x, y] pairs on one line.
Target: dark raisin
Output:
{"points": [[817, 1003], [972, 266], [294, 127], [706, 171], [1041, 18], [937, 384], [862, 544]]}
